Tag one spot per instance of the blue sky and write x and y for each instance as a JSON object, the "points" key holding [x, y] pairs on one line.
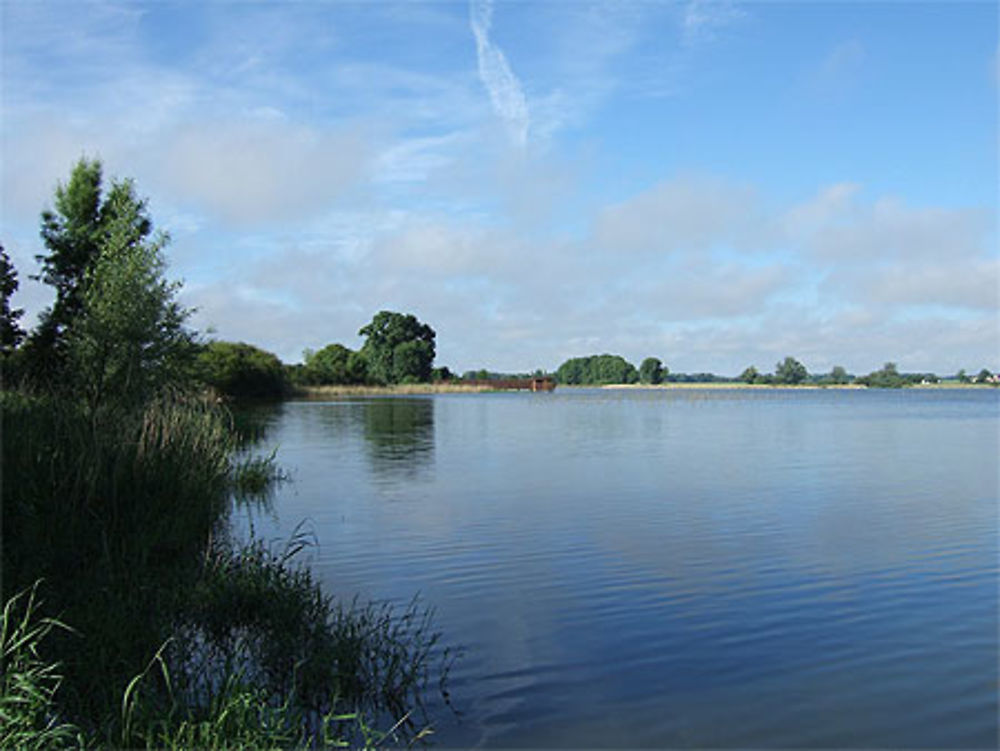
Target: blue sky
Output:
{"points": [[715, 184]]}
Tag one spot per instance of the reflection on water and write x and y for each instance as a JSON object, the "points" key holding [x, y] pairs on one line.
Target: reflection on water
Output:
{"points": [[399, 435], [252, 422], [668, 569]]}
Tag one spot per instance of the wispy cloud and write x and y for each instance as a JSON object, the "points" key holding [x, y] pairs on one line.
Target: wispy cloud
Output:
{"points": [[704, 18], [502, 85], [839, 71]]}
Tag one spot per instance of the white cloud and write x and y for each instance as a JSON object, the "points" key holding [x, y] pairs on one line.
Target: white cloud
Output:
{"points": [[502, 85], [973, 284], [685, 214], [888, 228], [258, 172], [830, 206]]}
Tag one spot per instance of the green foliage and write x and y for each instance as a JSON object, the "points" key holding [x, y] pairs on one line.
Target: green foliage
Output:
{"points": [[886, 378], [11, 333], [75, 232], [335, 364], [241, 371], [398, 348], [596, 370], [790, 372], [442, 374], [28, 684], [962, 377], [750, 375], [838, 376], [651, 371], [128, 339], [72, 233], [479, 375], [984, 376]]}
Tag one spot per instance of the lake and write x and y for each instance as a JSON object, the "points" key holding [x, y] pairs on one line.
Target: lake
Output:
{"points": [[672, 568]]}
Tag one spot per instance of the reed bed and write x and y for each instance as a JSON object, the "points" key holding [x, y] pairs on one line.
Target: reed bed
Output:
{"points": [[179, 636], [406, 389]]}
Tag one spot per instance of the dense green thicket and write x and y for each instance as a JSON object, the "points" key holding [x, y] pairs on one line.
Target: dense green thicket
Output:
{"points": [[241, 370], [596, 370], [335, 364]]}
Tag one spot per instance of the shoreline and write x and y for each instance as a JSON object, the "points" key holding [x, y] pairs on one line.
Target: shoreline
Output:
{"points": [[309, 393], [410, 389]]}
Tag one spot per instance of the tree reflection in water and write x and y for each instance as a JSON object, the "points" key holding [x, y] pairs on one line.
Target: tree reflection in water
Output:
{"points": [[399, 435]]}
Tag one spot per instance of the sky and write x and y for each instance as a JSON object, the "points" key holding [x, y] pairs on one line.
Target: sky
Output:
{"points": [[716, 184]]}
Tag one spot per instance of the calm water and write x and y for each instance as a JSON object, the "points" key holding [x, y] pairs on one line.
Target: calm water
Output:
{"points": [[674, 568]]}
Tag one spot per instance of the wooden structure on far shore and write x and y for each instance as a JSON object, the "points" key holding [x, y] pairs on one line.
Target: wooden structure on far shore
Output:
{"points": [[535, 383]]}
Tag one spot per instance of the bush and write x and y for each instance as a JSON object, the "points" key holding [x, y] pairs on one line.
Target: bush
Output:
{"points": [[241, 371], [335, 364], [596, 370]]}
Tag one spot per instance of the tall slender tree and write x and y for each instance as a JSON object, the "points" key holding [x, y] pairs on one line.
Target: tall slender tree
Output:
{"points": [[128, 338], [74, 230]]}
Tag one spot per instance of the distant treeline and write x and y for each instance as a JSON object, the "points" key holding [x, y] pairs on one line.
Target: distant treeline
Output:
{"points": [[402, 353], [598, 370], [398, 349]]}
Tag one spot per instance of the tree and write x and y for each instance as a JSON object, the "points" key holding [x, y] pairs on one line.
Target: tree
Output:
{"points": [[962, 377], [335, 364], [838, 376], [127, 337], [651, 371], [398, 348], [790, 371], [886, 378], [442, 374], [596, 370], [750, 375], [11, 333], [74, 232], [984, 376]]}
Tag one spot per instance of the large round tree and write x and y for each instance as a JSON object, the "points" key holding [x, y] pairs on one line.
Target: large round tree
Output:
{"points": [[398, 348]]}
